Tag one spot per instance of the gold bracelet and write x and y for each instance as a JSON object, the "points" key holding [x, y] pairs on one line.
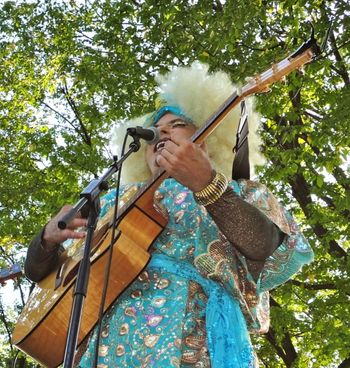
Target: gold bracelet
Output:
{"points": [[213, 191]]}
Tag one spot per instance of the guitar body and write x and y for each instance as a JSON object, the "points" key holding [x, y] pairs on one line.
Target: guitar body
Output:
{"points": [[41, 330]]}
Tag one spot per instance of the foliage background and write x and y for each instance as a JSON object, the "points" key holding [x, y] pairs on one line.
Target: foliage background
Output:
{"points": [[69, 69]]}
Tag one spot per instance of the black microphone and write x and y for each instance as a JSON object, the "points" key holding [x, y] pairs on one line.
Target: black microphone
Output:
{"points": [[150, 135]]}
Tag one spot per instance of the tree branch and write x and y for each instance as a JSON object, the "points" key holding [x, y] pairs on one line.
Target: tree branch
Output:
{"points": [[83, 131], [19, 285], [345, 363], [4, 321], [313, 115], [217, 6], [302, 194], [342, 71], [286, 350], [61, 116], [305, 285], [271, 338]]}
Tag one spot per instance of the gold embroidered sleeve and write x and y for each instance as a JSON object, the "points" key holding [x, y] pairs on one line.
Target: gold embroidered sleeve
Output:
{"points": [[246, 227]]}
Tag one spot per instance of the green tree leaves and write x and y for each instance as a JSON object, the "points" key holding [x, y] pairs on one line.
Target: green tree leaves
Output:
{"points": [[69, 70]]}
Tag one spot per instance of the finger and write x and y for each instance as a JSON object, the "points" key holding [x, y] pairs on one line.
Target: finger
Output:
{"points": [[170, 146], [164, 163], [167, 155], [71, 234], [77, 222]]}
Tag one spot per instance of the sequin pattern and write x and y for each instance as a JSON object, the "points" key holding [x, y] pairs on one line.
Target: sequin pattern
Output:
{"points": [[159, 321]]}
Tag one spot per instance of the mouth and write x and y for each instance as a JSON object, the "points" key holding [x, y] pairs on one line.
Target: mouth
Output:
{"points": [[160, 145]]}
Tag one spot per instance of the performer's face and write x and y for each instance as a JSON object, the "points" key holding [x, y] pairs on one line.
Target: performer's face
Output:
{"points": [[171, 127]]}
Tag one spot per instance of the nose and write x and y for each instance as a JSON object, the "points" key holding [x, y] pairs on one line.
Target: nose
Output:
{"points": [[164, 130]]}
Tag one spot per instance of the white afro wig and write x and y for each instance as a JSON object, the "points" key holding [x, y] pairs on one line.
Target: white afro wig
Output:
{"points": [[198, 94]]}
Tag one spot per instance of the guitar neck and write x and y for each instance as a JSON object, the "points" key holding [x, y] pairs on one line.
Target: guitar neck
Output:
{"points": [[258, 84]]}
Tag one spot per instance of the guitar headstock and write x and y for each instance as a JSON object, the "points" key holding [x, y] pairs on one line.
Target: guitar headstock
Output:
{"points": [[261, 82]]}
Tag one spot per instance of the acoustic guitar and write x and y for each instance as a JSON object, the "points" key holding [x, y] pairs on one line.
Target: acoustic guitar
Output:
{"points": [[42, 326]]}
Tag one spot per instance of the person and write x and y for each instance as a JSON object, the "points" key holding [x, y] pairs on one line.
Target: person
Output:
{"points": [[226, 243]]}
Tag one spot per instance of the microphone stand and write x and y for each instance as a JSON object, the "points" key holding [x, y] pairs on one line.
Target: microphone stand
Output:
{"points": [[90, 203]]}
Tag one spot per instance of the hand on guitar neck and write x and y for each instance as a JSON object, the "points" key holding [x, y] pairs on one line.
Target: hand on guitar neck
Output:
{"points": [[53, 235]]}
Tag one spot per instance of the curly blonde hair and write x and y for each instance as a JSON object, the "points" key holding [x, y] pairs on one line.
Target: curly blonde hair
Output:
{"points": [[198, 94]]}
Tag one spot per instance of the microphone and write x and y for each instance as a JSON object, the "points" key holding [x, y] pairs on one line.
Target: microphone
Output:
{"points": [[150, 135]]}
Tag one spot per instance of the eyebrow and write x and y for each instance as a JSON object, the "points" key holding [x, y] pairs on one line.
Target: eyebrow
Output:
{"points": [[174, 120]]}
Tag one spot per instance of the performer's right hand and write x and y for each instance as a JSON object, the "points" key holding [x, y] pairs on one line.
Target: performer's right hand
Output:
{"points": [[54, 235]]}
